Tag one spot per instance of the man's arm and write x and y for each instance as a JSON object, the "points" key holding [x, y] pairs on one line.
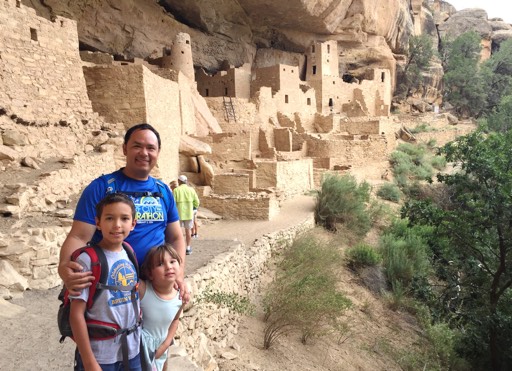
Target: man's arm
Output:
{"points": [[69, 271], [195, 202], [174, 236]]}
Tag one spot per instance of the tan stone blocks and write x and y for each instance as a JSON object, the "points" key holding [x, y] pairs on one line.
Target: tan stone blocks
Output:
{"points": [[231, 184]]}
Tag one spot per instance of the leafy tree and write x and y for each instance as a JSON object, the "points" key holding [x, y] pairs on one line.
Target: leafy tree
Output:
{"points": [[497, 75], [474, 226], [419, 55], [464, 85], [500, 119]]}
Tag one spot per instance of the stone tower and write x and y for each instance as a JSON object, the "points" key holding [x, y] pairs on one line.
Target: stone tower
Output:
{"points": [[180, 56], [322, 60]]}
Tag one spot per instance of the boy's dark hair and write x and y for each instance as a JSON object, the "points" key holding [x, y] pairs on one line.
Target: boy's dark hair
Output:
{"points": [[113, 198], [142, 126], [154, 256]]}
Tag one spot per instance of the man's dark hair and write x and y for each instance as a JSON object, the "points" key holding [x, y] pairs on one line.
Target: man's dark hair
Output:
{"points": [[113, 198], [142, 126]]}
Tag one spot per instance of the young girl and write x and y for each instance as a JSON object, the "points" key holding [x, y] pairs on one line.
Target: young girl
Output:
{"points": [[160, 303]]}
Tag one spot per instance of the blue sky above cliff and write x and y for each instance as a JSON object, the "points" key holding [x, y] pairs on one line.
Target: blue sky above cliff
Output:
{"points": [[494, 8]]}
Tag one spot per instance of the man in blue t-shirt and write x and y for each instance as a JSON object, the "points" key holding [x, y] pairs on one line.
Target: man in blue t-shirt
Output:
{"points": [[157, 216]]}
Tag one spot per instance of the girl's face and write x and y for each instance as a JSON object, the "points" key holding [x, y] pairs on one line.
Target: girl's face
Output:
{"points": [[116, 222], [166, 270]]}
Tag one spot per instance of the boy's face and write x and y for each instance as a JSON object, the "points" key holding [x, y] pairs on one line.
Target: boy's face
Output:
{"points": [[116, 222], [165, 271]]}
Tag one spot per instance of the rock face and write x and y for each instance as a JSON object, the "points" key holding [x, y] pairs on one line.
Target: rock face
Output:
{"points": [[231, 30], [469, 20], [464, 21]]}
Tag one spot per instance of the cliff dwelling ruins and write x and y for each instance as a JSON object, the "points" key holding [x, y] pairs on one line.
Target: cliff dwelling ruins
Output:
{"points": [[246, 137]]}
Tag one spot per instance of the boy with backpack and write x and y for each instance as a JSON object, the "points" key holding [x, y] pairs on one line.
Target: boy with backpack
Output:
{"points": [[107, 331]]}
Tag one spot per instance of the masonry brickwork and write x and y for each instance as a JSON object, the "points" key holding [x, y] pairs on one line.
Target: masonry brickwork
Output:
{"points": [[41, 77]]}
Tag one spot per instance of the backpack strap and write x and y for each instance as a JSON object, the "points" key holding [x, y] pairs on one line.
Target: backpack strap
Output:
{"points": [[110, 182], [98, 261], [164, 190]]}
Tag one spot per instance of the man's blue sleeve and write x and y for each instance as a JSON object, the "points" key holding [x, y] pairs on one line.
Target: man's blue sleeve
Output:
{"points": [[86, 208]]}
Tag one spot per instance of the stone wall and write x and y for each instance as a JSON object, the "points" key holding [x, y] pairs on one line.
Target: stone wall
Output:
{"points": [[362, 128], [210, 328], [251, 206], [167, 112], [133, 94], [230, 146], [287, 177], [41, 68], [34, 251], [235, 82], [285, 85], [117, 92], [231, 184], [354, 151], [185, 104]]}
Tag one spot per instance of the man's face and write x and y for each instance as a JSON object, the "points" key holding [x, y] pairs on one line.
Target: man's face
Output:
{"points": [[141, 153]]}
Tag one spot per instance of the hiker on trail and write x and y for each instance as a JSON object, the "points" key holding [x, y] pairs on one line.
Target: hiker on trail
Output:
{"points": [[113, 307], [173, 185], [194, 226], [156, 212], [161, 305], [186, 200]]}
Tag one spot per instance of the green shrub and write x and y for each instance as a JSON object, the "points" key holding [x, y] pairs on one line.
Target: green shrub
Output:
{"points": [[304, 296], [389, 191], [411, 162], [342, 201], [363, 255], [443, 340], [233, 301], [422, 128], [404, 254], [432, 142], [438, 162]]}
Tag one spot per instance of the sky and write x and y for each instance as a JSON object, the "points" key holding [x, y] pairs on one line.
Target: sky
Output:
{"points": [[494, 8]]}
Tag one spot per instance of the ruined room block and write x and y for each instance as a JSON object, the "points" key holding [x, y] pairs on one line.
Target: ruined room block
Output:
{"points": [[231, 184], [283, 139]]}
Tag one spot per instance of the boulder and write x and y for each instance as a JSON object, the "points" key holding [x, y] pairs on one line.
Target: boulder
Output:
{"points": [[9, 310], [30, 162], [192, 147], [500, 36], [7, 153], [14, 138], [10, 278], [499, 25], [206, 171], [464, 21]]}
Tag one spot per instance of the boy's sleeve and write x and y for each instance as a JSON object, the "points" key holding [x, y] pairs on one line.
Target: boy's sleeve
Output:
{"points": [[85, 261]]}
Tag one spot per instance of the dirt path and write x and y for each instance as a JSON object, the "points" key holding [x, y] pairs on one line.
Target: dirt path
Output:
{"points": [[30, 339]]}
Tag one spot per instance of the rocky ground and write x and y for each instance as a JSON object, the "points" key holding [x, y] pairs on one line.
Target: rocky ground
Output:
{"points": [[371, 341], [375, 337]]}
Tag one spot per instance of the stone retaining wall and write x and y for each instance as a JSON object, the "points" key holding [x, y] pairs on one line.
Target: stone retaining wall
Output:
{"points": [[209, 328]]}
